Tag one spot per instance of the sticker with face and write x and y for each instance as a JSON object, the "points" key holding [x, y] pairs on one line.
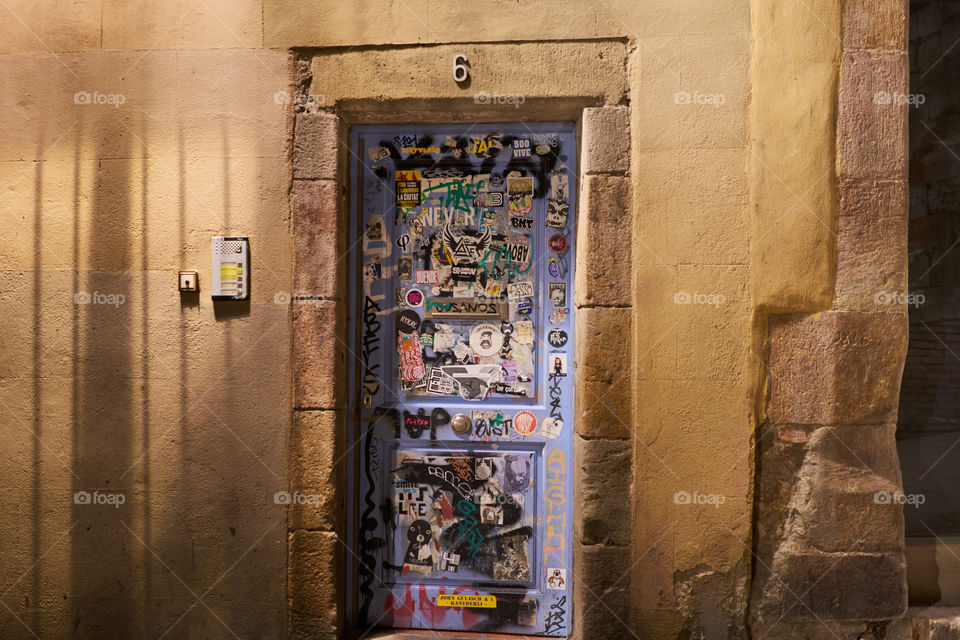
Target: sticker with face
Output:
{"points": [[419, 557], [558, 294], [516, 473], [557, 364], [520, 204], [559, 184], [486, 339], [405, 269], [556, 578], [557, 212]]}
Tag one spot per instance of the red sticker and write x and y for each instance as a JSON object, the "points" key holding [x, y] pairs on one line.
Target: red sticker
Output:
{"points": [[412, 368], [558, 243], [524, 423]]}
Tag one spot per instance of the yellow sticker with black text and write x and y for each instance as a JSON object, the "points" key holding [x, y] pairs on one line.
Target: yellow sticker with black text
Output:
{"points": [[466, 600]]}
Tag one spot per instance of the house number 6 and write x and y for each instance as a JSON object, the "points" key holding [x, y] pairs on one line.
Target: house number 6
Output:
{"points": [[460, 70]]}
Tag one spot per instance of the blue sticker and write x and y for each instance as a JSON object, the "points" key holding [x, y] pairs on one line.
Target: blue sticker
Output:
{"points": [[553, 267]]}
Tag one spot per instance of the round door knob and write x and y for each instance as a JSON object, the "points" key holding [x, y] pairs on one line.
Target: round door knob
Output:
{"points": [[461, 423]]}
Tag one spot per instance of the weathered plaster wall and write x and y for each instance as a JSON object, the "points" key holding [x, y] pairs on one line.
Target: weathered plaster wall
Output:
{"points": [[179, 407]]}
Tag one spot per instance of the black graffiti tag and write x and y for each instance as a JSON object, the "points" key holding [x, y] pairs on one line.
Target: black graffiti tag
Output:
{"points": [[556, 394], [554, 621], [371, 342]]}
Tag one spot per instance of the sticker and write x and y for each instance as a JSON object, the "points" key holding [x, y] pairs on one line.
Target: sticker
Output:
{"points": [[449, 561], [466, 245], [407, 189], [408, 321], [523, 332], [411, 358], [405, 269], [517, 185], [463, 273], [486, 339], [496, 180], [556, 578], [520, 204], [557, 338], [415, 298], [462, 309], [558, 294], [553, 265], [474, 379], [427, 277], [519, 290], [372, 269], [466, 600], [521, 224], [521, 148], [440, 383], [524, 423], [403, 242], [378, 153], [559, 184], [542, 149], [559, 316], [375, 229], [525, 307], [483, 468], [519, 253], [495, 199], [488, 146], [417, 225], [557, 212], [401, 296], [557, 365], [551, 428], [558, 243]]}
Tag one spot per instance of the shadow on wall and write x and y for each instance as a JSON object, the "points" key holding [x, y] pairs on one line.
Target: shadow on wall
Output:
{"points": [[142, 506]]}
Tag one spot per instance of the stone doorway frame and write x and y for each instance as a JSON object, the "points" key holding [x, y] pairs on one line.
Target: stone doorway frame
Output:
{"points": [[317, 549]]}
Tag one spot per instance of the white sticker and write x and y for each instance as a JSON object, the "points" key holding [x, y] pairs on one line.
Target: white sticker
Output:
{"points": [[551, 428], [556, 578], [378, 153], [523, 332], [519, 290], [486, 339]]}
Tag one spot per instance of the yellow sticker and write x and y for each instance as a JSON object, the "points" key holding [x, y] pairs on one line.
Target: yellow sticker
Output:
{"points": [[466, 600]]}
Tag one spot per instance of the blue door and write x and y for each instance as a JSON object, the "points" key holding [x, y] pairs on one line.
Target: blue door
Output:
{"points": [[462, 312]]}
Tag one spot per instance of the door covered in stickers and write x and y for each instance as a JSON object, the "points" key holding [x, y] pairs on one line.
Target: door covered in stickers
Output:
{"points": [[461, 308]]}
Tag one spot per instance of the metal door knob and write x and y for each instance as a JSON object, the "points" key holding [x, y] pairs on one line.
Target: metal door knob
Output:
{"points": [[461, 423]]}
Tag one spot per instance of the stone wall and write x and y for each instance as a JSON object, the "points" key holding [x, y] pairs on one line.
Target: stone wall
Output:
{"points": [[827, 550]]}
